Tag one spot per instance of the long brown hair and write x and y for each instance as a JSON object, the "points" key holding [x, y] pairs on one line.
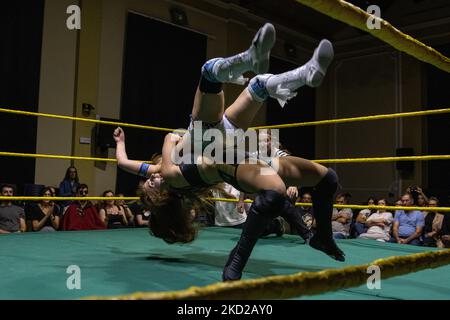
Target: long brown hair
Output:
{"points": [[171, 212], [102, 204]]}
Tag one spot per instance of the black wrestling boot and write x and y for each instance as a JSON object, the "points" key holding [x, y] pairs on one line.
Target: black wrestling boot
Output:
{"points": [[323, 210], [267, 205], [328, 246], [238, 259]]}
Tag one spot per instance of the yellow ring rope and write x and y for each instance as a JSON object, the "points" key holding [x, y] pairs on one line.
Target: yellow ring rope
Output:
{"points": [[355, 119], [112, 123], [356, 17], [300, 284], [342, 206], [349, 160], [54, 156], [337, 206], [280, 126], [384, 159]]}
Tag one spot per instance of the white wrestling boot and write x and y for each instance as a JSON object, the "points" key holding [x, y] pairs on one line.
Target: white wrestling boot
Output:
{"points": [[282, 86], [256, 59]]}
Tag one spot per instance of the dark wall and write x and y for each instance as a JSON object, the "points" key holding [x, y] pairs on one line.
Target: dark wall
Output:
{"points": [[21, 25], [299, 141], [162, 66], [438, 96]]}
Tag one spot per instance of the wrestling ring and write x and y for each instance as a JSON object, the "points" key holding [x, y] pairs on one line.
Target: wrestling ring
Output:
{"points": [[116, 264]]}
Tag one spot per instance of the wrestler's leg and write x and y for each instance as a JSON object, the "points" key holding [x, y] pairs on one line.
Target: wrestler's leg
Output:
{"points": [[208, 107], [242, 112], [282, 86], [297, 171], [268, 204], [209, 101]]}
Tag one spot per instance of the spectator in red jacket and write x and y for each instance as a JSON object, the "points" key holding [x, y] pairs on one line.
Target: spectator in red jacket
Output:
{"points": [[82, 215]]}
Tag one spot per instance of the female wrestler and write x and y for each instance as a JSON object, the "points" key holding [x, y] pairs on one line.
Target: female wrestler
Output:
{"points": [[173, 190]]}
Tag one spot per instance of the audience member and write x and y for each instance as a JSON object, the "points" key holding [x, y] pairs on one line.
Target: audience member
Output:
{"points": [[122, 204], [378, 224], [433, 223], [306, 212], [141, 215], [12, 217], [341, 219], [427, 227], [419, 198], [45, 215], [53, 190], [68, 187], [82, 215], [408, 225], [444, 236], [113, 216], [360, 222]]}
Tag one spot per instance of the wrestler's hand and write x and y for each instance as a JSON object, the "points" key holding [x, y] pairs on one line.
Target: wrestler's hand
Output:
{"points": [[119, 135], [292, 193], [173, 137]]}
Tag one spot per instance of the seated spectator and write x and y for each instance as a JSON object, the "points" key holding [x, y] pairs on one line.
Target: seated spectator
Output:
{"points": [[433, 224], [113, 216], [141, 215], [444, 236], [307, 212], [361, 218], [408, 225], [82, 215], [378, 224], [420, 199], [122, 204], [55, 193], [53, 190], [68, 187], [45, 215], [12, 218], [341, 219]]}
